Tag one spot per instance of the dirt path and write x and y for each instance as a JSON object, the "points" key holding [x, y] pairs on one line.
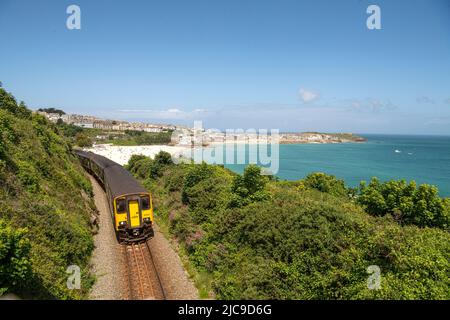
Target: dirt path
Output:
{"points": [[109, 265]]}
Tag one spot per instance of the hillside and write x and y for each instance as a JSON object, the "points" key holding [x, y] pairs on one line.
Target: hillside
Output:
{"points": [[252, 237], [46, 207], [319, 137]]}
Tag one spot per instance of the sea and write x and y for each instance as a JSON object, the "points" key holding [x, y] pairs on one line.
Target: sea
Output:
{"points": [[425, 159]]}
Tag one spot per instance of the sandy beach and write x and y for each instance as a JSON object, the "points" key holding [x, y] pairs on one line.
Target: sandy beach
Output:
{"points": [[121, 154]]}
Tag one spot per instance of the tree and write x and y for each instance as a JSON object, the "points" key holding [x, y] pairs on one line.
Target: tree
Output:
{"points": [[52, 110], [408, 204], [195, 175], [83, 140], [326, 183], [9, 103], [135, 158], [163, 158], [249, 187]]}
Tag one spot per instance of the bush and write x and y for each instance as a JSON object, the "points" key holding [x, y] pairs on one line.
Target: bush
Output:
{"points": [[145, 167], [15, 264], [299, 243], [9, 103], [83, 140], [135, 158], [162, 159], [249, 187], [28, 176], [195, 174], [43, 188], [69, 130], [406, 202], [326, 183]]}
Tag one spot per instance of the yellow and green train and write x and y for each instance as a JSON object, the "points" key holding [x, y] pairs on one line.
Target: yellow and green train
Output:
{"points": [[129, 202]]}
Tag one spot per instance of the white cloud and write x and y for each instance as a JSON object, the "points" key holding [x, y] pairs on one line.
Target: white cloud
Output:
{"points": [[425, 99], [370, 104], [308, 95], [174, 110]]}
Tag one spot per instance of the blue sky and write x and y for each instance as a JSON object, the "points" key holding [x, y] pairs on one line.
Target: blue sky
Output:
{"points": [[291, 65]]}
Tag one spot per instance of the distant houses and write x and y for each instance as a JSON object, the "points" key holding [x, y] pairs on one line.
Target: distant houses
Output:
{"points": [[194, 137], [96, 123]]}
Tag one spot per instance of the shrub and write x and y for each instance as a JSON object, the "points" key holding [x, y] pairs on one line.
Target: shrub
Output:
{"points": [[195, 174], [15, 264], [249, 187], [135, 158], [299, 243], [43, 188], [28, 176], [326, 183], [9, 103], [83, 140], [406, 202], [162, 159]]}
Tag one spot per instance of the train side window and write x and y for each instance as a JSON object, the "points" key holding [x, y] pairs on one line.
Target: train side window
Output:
{"points": [[121, 206], [145, 203]]}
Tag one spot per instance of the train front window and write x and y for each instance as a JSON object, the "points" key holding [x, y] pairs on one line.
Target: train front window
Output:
{"points": [[121, 206], [145, 203]]}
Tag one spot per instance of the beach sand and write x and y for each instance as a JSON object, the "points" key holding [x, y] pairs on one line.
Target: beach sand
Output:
{"points": [[121, 154]]}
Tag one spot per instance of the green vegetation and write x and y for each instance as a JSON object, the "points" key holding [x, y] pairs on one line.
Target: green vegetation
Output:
{"points": [[70, 130], [253, 237], [46, 205], [407, 203], [343, 136], [326, 183], [83, 140], [52, 110], [85, 137], [142, 165], [15, 265], [139, 138]]}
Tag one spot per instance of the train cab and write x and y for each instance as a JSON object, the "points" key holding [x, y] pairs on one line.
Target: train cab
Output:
{"points": [[129, 202]]}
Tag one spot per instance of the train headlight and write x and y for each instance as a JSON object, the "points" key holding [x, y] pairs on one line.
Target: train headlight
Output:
{"points": [[122, 223], [147, 220]]}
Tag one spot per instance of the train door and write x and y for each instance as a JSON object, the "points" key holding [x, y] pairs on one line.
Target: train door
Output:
{"points": [[133, 209]]}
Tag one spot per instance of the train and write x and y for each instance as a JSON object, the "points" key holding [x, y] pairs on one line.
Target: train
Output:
{"points": [[130, 204]]}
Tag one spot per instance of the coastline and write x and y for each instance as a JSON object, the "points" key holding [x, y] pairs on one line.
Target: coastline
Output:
{"points": [[122, 154], [286, 138]]}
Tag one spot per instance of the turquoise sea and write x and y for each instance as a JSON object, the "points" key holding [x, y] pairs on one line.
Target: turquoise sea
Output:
{"points": [[425, 159]]}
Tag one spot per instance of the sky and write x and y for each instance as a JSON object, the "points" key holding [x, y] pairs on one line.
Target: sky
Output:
{"points": [[273, 64]]}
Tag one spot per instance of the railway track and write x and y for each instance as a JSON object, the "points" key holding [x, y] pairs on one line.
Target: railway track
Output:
{"points": [[143, 279]]}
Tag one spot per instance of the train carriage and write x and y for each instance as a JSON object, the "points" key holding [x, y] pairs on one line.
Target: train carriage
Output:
{"points": [[130, 204]]}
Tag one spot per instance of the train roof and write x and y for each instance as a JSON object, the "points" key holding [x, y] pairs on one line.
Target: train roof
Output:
{"points": [[121, 182], [101, 161]]}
